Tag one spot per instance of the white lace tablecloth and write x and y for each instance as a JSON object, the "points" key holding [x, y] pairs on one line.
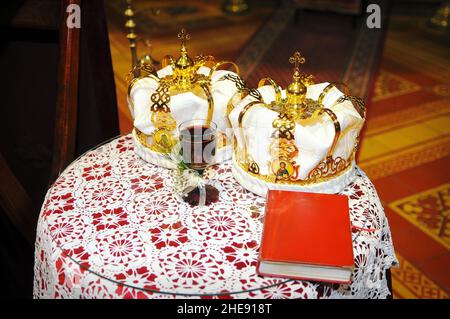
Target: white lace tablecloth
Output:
{"points": [[111, 227]]}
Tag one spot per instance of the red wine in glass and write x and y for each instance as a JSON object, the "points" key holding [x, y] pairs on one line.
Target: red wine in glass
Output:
{"points": [[198, 144], [198, 139]]}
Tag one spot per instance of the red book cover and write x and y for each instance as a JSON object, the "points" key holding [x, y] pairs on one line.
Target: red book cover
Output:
{"points": [[307, 229]]}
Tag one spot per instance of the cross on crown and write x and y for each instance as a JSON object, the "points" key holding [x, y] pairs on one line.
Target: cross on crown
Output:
{"points": [[183, 36], [297, 59]]}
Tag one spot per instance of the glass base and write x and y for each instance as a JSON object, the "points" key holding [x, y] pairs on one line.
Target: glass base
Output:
{"points": [[212, 196]]}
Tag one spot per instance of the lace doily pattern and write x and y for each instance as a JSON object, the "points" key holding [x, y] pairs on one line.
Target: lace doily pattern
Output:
{"points": [[111, 227]]}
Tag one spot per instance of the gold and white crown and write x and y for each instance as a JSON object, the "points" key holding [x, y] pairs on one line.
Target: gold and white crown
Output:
{"points": [[183, 89], [302, 138]]}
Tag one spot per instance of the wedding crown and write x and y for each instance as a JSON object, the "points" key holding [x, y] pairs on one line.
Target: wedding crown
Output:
{"points": [[299, 107], [185, 77]]}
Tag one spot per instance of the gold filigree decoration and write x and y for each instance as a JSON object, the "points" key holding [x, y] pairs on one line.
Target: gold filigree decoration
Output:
{"points": [[162, 141], [309, 109], [283, 149], [237, 80], [241, 86], [144, 70], [163, 120], [163, 137], [292, 181], [161, 98], [284, 127], [253, 167], [330, 167], [203, 59], [184, 78], [307, 79]]}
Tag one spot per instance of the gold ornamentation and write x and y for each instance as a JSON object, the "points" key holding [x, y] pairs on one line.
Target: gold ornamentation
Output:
{"points": [[240, 118], [163, 137], [275, 86], [308, 110], [296, 91], [235, 98], [337, 129], [163, 120], [284, 127], [162, 141], [219, 64], [297, 59], [245, 110], [133, 81], [144, 70], [161, 98], [300, 182], [325, 92], [253, 167], [185, 78], [210, 99], [242, 86], [328, 168], [276, 107], [283, 149], [242, 91], [237, 80], [307, 79], [255, 94], [221, 140]]}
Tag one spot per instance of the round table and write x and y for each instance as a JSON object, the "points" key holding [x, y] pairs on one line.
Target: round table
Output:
{"points": [[112, 227]]}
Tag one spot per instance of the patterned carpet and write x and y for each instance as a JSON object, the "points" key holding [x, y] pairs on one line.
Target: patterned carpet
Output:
{"points": [[336, 47], [406, 144], [405, 151]]}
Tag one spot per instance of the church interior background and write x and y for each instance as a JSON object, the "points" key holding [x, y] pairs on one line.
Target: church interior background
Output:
{"points": [[403, 74]]}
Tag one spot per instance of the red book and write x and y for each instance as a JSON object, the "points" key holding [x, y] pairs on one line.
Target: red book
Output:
{"points": [[307, 236]]}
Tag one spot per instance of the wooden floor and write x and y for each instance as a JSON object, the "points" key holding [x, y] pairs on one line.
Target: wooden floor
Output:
{"points": [[212, 32]]}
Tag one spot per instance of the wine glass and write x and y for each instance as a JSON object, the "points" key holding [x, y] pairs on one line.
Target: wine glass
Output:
{"points": [[198, 139]]}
